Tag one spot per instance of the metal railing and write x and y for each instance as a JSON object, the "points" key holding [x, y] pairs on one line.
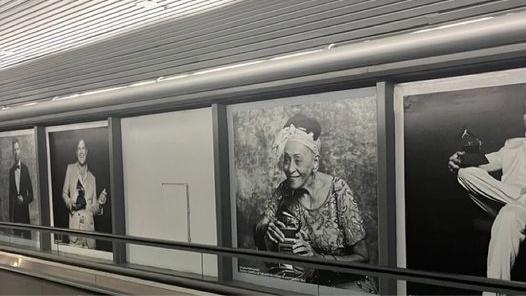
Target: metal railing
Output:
{"points": [[395, 273]]}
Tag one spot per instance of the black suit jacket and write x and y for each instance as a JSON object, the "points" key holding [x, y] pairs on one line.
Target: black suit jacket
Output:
{"points": [[19, 212]]}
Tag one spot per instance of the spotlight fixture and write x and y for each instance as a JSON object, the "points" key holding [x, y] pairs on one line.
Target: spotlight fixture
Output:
{"points": [[148, 4]]}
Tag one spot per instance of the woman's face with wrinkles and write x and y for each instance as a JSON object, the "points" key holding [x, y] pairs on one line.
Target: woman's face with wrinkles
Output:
{"points": [[299, 163]]}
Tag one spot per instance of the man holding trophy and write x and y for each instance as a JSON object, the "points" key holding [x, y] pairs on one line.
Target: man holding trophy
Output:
{"points": [[503, 199], [79, 195]]}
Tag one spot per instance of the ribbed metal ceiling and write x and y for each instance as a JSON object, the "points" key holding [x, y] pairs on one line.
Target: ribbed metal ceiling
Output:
{"points": [[191, 35], [34, 28]]}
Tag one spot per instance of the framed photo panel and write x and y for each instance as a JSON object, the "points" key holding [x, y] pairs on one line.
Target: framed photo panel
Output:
{"points": [[19, 196], [461, 168], [79, 185], [304, 182]]}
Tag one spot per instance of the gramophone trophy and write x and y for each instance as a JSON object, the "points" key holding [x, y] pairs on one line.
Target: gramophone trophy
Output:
{"points": [[471, 145], [291, 229]]}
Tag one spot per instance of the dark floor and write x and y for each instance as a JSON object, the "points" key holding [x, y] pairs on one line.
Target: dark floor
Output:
{"points": [[12, 283]]}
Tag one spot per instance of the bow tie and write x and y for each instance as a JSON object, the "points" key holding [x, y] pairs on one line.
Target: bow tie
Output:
{"points": [[17, 166]]}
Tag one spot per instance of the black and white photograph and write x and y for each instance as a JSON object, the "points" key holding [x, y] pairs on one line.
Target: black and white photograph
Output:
{"points": [[304, 182], [19, 198], [465, 183], [80, 182]]}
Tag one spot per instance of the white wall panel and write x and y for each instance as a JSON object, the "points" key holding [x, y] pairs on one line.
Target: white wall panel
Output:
{"points": [[169, 186]]}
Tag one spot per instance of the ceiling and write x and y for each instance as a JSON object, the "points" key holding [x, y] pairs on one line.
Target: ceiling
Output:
{"points": [[33, 28], [63, 49]]}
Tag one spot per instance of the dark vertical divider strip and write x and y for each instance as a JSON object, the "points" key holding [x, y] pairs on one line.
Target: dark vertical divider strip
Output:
{"points": [[117, 188], [386, 182], [42, 183], [222, 188]]}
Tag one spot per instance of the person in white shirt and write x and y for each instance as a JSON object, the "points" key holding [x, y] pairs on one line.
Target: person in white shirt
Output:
{"points": [[504, 199]]}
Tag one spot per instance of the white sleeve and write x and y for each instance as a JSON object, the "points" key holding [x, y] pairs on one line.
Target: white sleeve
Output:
{"points": [[495, 161]]}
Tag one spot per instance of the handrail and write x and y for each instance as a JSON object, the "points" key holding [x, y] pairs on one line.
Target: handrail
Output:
{"points": [[465, 281]]}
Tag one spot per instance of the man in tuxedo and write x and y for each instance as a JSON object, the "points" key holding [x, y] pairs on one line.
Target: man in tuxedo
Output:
{"points": [[20, 192]]}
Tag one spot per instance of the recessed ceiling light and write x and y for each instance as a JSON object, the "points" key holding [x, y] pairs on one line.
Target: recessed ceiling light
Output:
{"points": [[148, 4]]}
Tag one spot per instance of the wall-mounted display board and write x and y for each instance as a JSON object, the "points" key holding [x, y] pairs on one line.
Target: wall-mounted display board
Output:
{"points": [[168, 168], [19, 196], [304, 181], [461, 176], [79, 185]]}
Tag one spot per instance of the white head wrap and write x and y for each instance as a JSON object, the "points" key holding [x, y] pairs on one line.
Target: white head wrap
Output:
{"points": [[292, 133]]}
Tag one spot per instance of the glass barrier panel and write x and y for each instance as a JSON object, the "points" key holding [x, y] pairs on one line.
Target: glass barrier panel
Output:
{"points": [[23, 239], [268, 276], [81, 247], [5, 236], [168, 261]]}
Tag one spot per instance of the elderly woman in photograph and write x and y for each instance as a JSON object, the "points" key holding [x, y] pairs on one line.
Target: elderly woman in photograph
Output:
{"points": [[312, 213]]}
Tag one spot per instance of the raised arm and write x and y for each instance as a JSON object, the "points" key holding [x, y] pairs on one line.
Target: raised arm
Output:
{"points": [[95, 207]]}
